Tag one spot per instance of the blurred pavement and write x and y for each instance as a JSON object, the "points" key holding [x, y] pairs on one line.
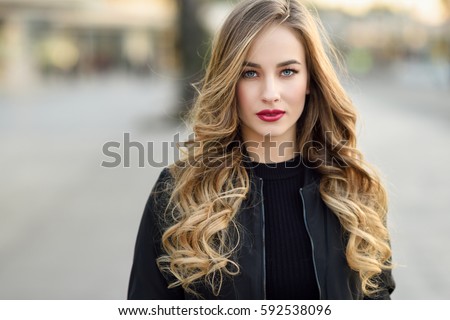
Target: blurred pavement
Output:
{"points": [[68, 225]]}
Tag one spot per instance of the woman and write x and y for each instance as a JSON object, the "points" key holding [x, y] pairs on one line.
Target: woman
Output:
{"points": [[273, 200]]}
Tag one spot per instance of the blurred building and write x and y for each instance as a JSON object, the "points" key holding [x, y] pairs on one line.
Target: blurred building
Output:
{"points": [[384, 34], [41, 38]]}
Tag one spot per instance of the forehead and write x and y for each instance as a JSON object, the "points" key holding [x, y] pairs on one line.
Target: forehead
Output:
{"points": [[276, 42]]}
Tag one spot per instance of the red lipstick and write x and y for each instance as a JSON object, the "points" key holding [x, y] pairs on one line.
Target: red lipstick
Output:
{"points": [[270, 115]]}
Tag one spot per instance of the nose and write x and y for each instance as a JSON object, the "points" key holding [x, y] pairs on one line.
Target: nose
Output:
{"points": [[270, 92]]}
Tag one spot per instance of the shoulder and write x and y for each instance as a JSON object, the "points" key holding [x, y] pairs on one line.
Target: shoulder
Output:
{"points": [[163, 185], [159, 197], [165, 177]]}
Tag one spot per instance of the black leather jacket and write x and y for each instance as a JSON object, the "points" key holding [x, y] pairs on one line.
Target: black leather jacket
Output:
{"points": [[335, 280]]}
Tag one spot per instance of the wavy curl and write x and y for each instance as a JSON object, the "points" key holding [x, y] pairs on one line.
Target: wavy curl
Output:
{"points": [[211, 181]]}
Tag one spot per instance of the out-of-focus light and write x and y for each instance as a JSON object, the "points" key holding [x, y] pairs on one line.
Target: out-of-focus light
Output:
{"points": [[137, 47], [429, 12], [61, 52]]}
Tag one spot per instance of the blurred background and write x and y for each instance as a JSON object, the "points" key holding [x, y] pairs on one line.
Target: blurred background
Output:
{"points": [[78, 74]]}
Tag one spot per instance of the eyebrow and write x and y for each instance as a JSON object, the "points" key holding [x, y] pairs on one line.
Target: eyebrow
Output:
{"points": [[281, 64]]}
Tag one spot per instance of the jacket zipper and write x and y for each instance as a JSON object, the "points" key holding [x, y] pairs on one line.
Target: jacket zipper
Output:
{"points": [[264, 240], [312, 243]]}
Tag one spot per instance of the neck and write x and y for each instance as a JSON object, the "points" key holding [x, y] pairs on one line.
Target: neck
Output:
{"points": [[270, 150]]}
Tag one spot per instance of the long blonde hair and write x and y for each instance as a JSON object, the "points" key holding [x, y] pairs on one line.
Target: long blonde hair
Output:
{"points": [[211, 182]]}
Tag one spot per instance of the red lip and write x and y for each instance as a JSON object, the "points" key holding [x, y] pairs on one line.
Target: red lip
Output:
{"points": [[270, 115]]}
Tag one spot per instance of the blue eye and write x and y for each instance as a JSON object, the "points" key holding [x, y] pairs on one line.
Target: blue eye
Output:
{"points": [[288, 72], [249, 74]]}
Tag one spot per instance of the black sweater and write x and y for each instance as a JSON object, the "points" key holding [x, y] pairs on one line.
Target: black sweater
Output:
{"points": [[290, 271]]}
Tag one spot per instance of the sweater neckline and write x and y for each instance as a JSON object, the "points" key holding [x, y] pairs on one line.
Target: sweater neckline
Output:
{"points": [[278, 170]]}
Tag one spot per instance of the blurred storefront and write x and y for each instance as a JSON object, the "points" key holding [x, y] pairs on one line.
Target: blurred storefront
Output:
{"points": [[43, 38]]}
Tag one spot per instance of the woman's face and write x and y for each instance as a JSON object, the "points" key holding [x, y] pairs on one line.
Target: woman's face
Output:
{"points": [[273, 86]]}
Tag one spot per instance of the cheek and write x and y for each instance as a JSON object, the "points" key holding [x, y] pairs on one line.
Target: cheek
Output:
{"points": [[242, 97], [297, 91]]}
